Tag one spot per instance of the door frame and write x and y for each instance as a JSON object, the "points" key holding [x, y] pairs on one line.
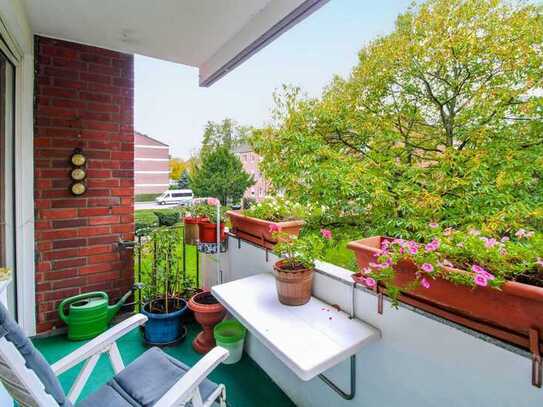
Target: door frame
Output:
{"points": [[23, 61]]}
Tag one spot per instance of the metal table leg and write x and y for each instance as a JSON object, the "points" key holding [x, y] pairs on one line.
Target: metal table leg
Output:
{"points": [[333, 386]]}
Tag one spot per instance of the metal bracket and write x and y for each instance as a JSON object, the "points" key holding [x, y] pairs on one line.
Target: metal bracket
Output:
{"points": [[333, 386], [352, 316], [536, 357], [380, 301], [239, 242], [267, 256]]}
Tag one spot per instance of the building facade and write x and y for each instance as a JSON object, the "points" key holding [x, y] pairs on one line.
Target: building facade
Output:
{"points": [[250, 161], [151, 165]]}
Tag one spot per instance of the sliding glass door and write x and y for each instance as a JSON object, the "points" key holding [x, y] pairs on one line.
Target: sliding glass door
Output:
{"points": [[7, 172]]}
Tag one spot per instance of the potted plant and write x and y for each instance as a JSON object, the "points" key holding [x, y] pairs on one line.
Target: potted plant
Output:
{"points": [[192, 232], [294, 271], [491, 284], [164, 307], [207, 225], [253, 224]]}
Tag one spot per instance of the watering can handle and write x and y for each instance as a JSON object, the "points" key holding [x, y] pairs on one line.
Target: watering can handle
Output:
{"points": [[67, 301]]}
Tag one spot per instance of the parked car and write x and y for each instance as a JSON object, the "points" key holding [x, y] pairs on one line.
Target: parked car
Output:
{"points": [[176, 197]]}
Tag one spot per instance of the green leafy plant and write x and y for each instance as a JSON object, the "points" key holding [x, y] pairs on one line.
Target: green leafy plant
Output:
{"points": [[440, 120], [300, 252], [164, 282], [210, 212], [462, 257], [277, 209]]}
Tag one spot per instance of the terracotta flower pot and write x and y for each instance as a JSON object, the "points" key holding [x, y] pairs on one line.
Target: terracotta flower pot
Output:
{"points": [[208, 232], [208, 313], [508, 313], [258, 230], [293, 286], [191, 229]]}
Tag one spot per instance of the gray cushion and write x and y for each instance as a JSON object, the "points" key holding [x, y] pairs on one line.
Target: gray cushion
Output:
{"points": [[34, 360], [143, 382]]}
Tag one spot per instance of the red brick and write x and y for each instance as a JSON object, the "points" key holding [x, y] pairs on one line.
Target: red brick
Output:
{"points": [[85, 98]]}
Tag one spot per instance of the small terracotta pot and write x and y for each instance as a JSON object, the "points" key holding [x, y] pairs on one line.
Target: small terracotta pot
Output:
{"points": [[208, 313], [208, 232], [293, 287], [257, 231], [509, 313]]}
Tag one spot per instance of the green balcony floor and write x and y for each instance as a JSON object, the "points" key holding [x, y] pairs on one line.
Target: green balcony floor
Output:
{"points": [[247, 385]]}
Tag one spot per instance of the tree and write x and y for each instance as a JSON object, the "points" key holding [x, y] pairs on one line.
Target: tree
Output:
{"points": [[177, 167], [220, 175], [441, 120], [226, 133], [184, 180]]}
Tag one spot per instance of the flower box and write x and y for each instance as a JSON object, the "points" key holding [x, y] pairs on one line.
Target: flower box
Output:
{"points": [[508, 313], [207, 232], [258, 231]]}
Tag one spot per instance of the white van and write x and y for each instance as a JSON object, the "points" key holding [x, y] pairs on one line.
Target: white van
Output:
{"points": [[175, 197]]}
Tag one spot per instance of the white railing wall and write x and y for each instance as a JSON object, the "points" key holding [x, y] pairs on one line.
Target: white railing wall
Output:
{"points": [[420, 360]]}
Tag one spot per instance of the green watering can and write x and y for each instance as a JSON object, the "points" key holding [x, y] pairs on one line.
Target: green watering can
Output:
{"points": [[88, 314]]}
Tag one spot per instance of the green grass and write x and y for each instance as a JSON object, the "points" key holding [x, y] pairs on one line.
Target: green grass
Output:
{"points": [[146, 197], [338, 254], [246, 384]]}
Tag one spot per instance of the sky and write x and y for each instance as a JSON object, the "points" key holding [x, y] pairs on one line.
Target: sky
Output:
{"points": [[171, 107]]}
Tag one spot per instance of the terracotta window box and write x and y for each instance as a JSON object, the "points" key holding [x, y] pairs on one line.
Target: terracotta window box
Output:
{"points": [[513, 314], [257, 231]]}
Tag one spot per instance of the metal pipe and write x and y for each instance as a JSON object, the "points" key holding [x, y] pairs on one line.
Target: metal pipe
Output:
{"points": [[333, 386]]}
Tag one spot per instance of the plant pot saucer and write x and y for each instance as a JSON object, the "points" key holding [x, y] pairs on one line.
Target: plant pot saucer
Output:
{"points": [[178, 340]]}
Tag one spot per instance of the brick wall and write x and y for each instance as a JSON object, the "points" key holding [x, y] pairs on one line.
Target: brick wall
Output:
{"points": [[85, 98]]}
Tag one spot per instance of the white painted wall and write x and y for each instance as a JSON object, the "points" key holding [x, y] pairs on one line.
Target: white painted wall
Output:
{"points": [[418, 362]]}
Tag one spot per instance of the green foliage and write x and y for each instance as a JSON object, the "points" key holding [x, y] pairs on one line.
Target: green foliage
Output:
{"points": [[489, 261], [276, 209], [220, 175], [210, 212], [301, 251], [441, 120], [164, 280], [226, 134], [168, 218], [184, 181]]}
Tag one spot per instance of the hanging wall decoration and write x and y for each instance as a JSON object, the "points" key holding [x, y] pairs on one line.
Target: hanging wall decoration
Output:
{"points": [[78, 173]]}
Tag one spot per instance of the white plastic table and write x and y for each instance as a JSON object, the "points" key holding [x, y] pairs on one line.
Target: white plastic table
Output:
{"points": [[309, 339]]}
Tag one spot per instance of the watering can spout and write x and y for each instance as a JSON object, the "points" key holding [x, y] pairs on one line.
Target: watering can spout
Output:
{"points": [[113, 309]]}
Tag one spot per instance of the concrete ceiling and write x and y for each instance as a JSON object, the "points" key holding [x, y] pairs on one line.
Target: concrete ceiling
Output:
{"points": [[208, 34]]}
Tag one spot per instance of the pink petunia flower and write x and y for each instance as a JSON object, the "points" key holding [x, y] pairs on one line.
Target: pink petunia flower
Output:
{"points": [[489, 243], [425, 283], [480, 280], [504, 239], [274, 228], [520, 233], [427, 268], [413, 249], [370, 282], [432, 246], [478, 269], [433, 225], [366, 270], [326, 233]]}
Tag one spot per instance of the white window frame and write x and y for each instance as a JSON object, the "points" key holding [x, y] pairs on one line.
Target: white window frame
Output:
{"points": [[11, 45]]}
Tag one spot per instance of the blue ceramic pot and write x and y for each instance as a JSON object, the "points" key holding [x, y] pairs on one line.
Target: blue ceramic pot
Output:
{"points": [[162, 329]]}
